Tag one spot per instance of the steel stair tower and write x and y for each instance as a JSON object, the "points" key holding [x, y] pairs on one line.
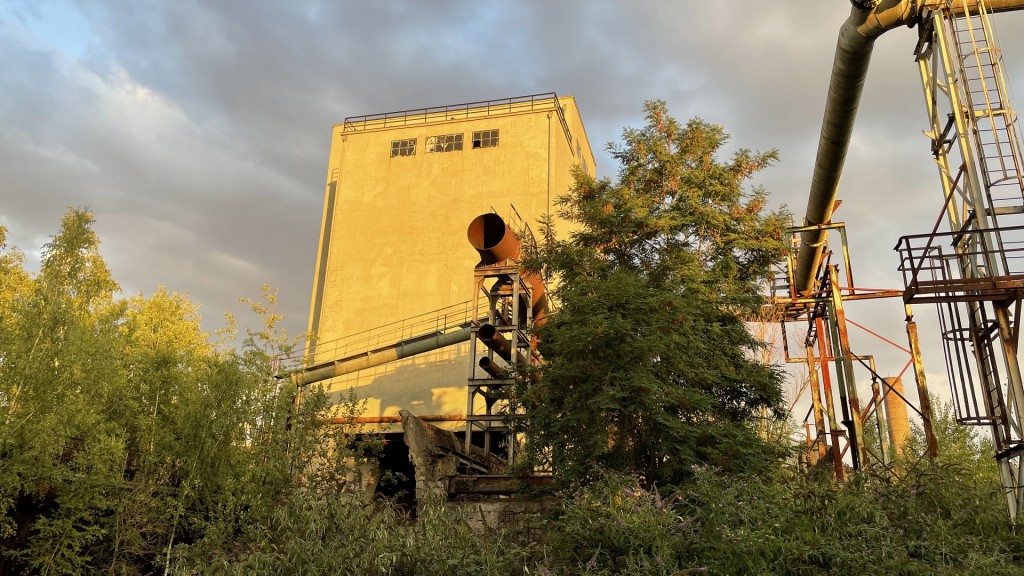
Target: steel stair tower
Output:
{"points": [[975, 270]]}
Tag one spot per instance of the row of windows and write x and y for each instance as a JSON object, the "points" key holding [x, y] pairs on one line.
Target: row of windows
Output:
{"points": [[444, 143]]}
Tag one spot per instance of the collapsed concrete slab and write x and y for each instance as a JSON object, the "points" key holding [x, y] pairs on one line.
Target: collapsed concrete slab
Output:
{"points": [[491, 497]]}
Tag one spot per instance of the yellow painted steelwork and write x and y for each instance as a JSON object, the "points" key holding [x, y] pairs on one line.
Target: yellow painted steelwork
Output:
{"points": [[393, 236]]}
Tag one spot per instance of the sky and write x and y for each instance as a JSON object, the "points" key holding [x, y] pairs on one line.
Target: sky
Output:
{"points": [[197, 132]]}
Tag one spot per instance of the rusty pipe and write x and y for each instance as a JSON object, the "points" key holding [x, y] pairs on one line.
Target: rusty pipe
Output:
{"points": [[540, 311], [493, 339], [494, 370], [489, 335], [493, 239], [496, 242], [849, 69], [491, 367], [539, 303], [538, 293]]}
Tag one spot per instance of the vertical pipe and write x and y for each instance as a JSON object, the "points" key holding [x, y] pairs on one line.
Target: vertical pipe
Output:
{"points": [[478, 285], [844, 400], [880, 424], [922, 385], [819, 418], [549, 172], [844, 368], [826, 380], [881, 416], [1015, 392]]}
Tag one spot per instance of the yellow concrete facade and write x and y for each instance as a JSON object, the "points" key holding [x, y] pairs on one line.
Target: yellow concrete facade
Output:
{"points": [[393, 249]]}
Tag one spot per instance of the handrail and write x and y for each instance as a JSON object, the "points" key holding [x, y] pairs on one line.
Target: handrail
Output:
{"points": [[437, 321], [542, 101]]}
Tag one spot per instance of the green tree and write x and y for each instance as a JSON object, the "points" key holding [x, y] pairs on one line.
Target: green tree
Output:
{"points": [[649, 364], [61, 457], [125, 435]]}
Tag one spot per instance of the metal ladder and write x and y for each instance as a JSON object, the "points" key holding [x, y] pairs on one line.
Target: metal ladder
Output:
{"points": [[985, 92], [997, 143]]}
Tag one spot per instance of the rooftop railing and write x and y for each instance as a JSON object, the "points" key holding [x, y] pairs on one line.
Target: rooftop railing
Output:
{"points": [[482, 109]]}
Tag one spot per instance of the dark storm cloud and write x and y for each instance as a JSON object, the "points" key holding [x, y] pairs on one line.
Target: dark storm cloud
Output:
{"points": [[198, 131]]}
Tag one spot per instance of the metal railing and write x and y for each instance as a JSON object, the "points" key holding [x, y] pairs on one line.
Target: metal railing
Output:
{"points": [[435, 322], [962, 264], [482, 109]]}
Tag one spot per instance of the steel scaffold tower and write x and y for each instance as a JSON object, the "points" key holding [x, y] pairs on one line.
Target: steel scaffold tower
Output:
{"points": [[974, 271]]}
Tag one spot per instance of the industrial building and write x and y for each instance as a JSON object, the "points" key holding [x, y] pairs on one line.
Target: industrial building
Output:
{"points": [[394, 266], [396, 298]]}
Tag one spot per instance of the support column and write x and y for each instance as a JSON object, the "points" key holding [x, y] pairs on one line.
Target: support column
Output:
{"points": [[826, 380], [847, 379], [819, 417], [922, 386]]}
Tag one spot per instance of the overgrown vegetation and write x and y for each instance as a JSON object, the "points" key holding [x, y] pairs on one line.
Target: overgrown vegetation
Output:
{"points": [[946, 518], [126, 435], [132, 442]]}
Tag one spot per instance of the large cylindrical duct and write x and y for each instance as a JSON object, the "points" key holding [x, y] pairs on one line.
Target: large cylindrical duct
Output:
{"points": [[497, 242], [849, 69], [896, 414], [540, 311], [489, 335], [493, 239], [538, 297]]}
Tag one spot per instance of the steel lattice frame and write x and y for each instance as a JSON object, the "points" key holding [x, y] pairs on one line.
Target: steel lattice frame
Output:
{"points": [[969, 270], [843, 425]]}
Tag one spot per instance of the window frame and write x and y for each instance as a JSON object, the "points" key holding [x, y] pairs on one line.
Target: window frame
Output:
{"points": [[445, 143], [485, 139], [403, 147]]}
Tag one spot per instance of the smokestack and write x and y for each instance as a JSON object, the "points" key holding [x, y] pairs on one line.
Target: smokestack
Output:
{"points": [[896, 414]]}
